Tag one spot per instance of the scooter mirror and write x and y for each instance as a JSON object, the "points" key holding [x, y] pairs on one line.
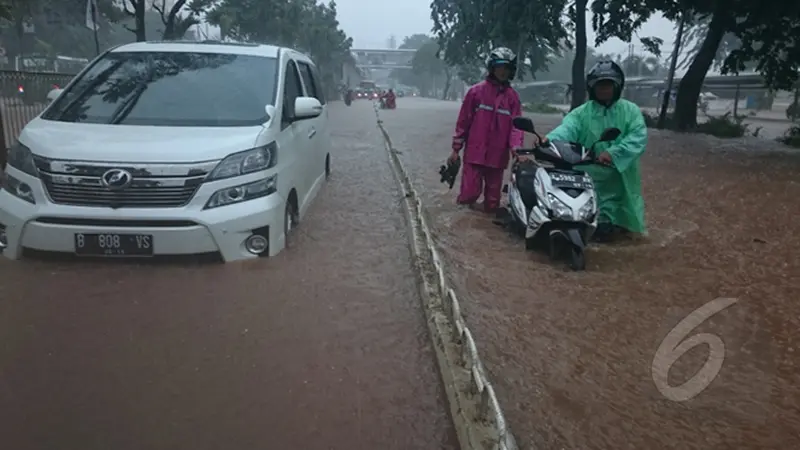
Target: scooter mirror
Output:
{"points": [[524, 124], [610, 134]]}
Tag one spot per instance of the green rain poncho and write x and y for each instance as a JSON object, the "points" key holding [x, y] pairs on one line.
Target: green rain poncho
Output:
{"points": [[619, 188]]}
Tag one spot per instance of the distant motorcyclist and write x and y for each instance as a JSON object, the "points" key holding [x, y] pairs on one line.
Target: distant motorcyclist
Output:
{"points": [[617, 179], [485, 128], [391, 99]]}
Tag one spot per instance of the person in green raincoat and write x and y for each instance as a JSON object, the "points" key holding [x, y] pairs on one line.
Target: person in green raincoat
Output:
{"points": [[617, 178]]}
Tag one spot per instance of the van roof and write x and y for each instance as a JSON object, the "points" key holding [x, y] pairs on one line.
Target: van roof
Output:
{"points": [[236, 48]]}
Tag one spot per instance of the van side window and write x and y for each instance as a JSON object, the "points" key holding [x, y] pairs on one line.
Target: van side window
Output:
{"points": [[292, 88], [319, 84], [312, 82]]}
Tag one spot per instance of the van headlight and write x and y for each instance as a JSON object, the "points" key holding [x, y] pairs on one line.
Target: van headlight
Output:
{"points": [[559, 209], [18, 188], [20, 157], [243, 192], [248, 161]]}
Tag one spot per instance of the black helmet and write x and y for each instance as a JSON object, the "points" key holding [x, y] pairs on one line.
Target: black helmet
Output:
{"points": [[502, 56], [606, 70]]}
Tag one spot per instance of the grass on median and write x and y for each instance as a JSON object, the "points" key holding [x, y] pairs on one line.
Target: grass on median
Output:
{"points": [[725, 126]]}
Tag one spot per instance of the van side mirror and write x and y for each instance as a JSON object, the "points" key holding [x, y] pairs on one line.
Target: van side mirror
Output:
{"points": [[306, 108], [524, 124], [610, 134]]}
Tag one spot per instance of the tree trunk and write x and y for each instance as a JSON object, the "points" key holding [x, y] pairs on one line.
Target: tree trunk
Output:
{"points": [[691, 84], [170, 22], [448, 78], [579, 63], [139, 9]]}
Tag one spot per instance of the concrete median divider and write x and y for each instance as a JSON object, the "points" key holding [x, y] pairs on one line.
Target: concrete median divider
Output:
{"points": [[474, 409]]}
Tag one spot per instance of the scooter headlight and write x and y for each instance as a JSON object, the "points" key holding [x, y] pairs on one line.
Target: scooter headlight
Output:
{"points": [[559, 209], [588, 211]]}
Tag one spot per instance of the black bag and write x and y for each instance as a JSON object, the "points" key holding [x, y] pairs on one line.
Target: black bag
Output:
{"points": [[449, 172]]}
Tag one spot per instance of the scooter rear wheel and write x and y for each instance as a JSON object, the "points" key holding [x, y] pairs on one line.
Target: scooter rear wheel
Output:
{"points": [[577, 259]]}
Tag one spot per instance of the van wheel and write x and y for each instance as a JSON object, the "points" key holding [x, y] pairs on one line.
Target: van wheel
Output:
{"points": [[327, 167], [290, 220]]}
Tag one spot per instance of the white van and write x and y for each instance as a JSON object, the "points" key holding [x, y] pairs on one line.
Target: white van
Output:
{"points": [[170, 148]]}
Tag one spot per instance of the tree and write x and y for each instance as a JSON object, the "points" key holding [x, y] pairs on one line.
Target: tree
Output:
{"points": [[559, 64], [428, 67], [136, 10], [409, 77], [695, 31], [275, 22], [642, 66], [176, 26], [60, 30], [577, 13], [467, 30], [767, 29]]}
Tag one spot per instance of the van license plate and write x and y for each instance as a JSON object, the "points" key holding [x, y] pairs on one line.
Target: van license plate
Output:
{"points": [[113, 244]]}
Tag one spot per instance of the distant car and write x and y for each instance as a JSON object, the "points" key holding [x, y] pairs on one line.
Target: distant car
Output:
{"points": [[400, 93], [372, 94]]}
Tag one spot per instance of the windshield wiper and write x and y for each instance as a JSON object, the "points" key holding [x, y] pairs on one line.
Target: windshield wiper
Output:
{"points": [[127, 105]]}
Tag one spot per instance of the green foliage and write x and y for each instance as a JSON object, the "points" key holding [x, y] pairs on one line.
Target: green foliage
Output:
{"points": [[769, 39], [415, 41], [428, 68], [766, 29], [793, 111], [278, 22], [426, 61], [467, 30], [175, 25], [695, 32], [725, 126], [791, 137], [60, 29], [409, 77]]}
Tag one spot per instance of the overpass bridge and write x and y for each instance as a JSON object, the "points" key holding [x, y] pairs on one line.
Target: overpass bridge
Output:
{"points": [[383, 59]]}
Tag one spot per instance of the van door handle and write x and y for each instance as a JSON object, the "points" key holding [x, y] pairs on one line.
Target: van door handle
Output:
{"points": [[312, 133]]}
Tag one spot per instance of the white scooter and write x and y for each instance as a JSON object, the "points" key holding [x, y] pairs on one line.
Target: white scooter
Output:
{"points": [[551, 200]]}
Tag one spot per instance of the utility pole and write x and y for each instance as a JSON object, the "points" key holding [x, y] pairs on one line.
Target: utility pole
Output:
{"points": [[662, 116]]}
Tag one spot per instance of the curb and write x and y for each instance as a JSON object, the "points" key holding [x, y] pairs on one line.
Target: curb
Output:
{"points": [[474, 409]]}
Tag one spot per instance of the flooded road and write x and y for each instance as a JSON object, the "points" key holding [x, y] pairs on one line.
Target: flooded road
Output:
{"points": [[323, 347], [572, 356]]}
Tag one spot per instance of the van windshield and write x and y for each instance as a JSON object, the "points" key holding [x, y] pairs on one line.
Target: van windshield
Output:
{"points": [[171, 89]]}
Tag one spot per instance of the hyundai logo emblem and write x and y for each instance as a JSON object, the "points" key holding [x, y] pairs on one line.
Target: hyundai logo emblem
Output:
{"points": [[116, 179]]}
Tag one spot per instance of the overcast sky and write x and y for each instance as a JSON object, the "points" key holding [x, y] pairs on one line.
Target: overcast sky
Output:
{"points": [[371, 22]]}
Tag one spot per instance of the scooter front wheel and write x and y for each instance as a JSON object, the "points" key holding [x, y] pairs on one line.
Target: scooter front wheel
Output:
{"points": [[577, 259]]}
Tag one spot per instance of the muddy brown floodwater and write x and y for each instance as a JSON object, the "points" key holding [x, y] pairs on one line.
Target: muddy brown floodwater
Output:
{"points": [[323, 347], [572, 354]]}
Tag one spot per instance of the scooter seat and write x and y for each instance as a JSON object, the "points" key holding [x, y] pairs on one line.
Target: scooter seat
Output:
{"points": [[524, 174]]}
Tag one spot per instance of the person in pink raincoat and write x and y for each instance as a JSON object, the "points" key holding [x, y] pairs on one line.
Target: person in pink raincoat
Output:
{"points": [[485, 131]]}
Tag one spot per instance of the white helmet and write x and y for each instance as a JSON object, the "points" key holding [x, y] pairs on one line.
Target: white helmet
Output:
{"points": [[502, 56]]}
